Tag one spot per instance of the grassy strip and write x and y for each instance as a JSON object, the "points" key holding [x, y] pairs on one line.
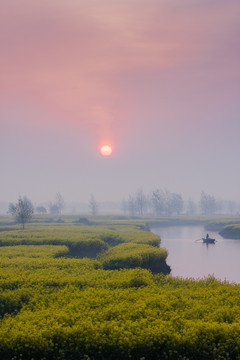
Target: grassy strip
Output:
{"points": [[81, 240], [231, 231], [135, 255]]}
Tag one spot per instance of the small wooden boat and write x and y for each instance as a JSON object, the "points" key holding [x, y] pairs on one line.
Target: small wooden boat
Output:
{"points": [[208, 240]]}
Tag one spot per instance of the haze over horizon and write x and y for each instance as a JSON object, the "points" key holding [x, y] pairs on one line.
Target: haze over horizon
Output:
{"points": [[158, 80]]}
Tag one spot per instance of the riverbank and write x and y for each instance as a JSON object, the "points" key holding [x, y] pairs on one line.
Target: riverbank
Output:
{"points": [[188, 256], [227, 227]]}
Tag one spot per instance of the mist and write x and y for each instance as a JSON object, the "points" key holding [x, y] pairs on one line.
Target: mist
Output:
{"points": [[157, 80]]}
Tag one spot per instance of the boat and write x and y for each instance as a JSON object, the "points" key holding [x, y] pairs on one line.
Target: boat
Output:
{"points": [[208, 240]]}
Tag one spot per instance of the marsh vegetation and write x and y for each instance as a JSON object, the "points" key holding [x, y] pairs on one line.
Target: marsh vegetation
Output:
{"points": [[114, 305]]}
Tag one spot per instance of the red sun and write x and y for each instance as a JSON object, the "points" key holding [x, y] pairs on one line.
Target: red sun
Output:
{"points": [[106, 150]]}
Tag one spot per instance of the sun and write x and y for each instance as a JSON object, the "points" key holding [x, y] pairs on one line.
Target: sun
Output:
{"points": [[106, 150]]}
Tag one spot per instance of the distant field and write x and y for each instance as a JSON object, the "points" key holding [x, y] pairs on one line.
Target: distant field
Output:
{"points": [[57, 304]]}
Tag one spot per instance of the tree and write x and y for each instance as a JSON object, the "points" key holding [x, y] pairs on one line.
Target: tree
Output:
{"points": [[141, 202], [158, 202], [166, 203], [177, 203], [232, 207], [23, 210], [57, 206], [124, 206], [191, 207], [93, 205], [132, 205], [53, 208], [60, 202], [41, 210], [208, 204]]}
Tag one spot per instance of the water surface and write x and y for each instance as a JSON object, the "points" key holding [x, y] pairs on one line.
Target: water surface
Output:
{"points": [[189, 257]]}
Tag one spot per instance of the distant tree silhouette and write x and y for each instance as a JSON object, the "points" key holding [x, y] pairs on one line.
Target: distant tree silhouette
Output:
{"points": [[158, 202], [208, 204], [60, 202], [141, 202], [57, 206], [176, 203], [166, 203], [93, 205], [132, 208], [191, 207], [22, 211], [124, 206], [41, 210], [53, 208]]}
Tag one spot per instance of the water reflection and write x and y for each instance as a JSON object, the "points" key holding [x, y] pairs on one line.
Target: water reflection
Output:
{"points": [[190, 257]]}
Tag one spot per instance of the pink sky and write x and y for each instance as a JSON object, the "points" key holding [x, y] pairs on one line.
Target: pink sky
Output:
{"points": [[158, 79]]}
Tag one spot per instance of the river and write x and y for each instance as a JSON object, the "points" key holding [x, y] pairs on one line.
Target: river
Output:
{"points": [[189, 257]]}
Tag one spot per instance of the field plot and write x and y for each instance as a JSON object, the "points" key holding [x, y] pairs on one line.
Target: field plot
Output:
{"points": [[57, 304]]}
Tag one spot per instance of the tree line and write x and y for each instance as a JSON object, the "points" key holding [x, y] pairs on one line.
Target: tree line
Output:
{"points": [[158, 202], [23, 209], [161, 202]]}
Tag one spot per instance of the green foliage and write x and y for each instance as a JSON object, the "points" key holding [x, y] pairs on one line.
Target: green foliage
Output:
{"points": [[126, 314], [22, 211], [63, 308], [132, 255], [32, 251], [81, 242]]}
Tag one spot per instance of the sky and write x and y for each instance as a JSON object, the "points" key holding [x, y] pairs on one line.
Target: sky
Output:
{"points": [[158, 80]]}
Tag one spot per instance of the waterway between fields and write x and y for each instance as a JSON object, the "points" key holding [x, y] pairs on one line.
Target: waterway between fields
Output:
{"points": [[190, 258]]}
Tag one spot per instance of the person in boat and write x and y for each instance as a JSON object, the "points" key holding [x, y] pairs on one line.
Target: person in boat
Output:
{"points": [[207, 236]]}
